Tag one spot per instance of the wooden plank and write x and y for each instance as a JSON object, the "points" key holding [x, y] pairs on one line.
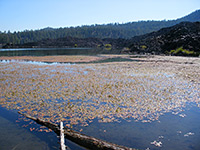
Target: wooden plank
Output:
{"points": [[62, 137]]}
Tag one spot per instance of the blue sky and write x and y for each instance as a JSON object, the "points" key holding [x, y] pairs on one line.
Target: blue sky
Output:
{"points": [[19, 15]]}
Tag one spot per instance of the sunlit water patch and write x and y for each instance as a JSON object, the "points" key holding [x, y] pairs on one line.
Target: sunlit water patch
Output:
{"points": [[87, 95]]}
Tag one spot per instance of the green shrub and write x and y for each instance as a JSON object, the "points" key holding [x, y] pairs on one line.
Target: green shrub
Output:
{"points": [[143, 47], [183, 52], [108, 46]]}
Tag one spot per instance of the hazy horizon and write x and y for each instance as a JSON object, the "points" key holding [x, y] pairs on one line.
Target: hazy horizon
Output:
{"points": [[32, 15]]}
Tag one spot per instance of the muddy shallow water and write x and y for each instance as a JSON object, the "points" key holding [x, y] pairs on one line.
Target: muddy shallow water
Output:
{"points": [[149, 103]]}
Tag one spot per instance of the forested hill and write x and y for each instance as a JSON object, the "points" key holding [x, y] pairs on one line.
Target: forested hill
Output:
{"points": [[115, 30], [182, 39]]}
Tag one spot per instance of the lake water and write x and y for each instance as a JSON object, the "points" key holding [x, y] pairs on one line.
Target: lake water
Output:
{"points": [[55, 51], [172, 130], [175, 132], [16, 134]]}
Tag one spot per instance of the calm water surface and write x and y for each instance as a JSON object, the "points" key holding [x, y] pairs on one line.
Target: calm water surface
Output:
{"points": [[15, 134], [175, 132], [55, 51]]}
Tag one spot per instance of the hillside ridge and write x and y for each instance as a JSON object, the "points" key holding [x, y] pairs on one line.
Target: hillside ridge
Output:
{"points": [[180, 39], [185, 35], [114, 30]]}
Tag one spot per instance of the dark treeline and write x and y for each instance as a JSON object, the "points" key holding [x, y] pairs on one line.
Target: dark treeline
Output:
{"points": [[114, 30]]}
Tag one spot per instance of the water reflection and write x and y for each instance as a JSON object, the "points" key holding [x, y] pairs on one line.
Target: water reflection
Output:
{"points": [[18, 133], [14, 136], [171, 130], [55, 51]]}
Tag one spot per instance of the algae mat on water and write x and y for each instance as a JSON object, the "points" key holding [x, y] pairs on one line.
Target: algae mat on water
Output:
{"points": [[76, 94]]}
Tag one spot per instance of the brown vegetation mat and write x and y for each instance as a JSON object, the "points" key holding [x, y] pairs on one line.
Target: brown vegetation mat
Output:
{"points": [[75, 94], [54, 58], [187, 67], [62, 59]]}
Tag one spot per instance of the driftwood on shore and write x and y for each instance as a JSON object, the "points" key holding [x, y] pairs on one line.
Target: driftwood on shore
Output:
{"points": [[79, 138]]}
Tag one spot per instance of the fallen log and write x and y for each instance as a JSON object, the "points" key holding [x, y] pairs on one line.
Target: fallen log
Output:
{"points": [[79, 138]]}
